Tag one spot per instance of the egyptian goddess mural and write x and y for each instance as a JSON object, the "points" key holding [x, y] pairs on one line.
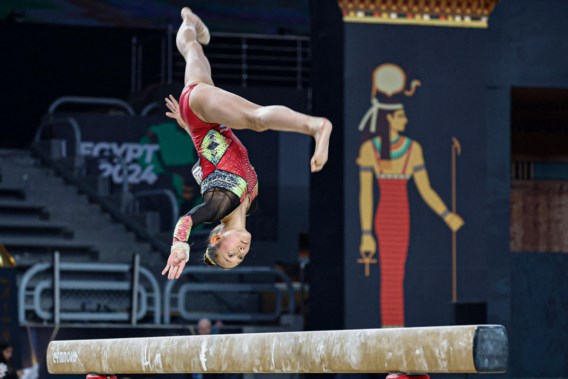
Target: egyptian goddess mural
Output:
{"points": [[390, 159]]}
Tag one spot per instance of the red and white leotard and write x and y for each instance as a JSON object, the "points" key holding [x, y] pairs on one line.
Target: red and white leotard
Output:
{"points": [[223, 158]]}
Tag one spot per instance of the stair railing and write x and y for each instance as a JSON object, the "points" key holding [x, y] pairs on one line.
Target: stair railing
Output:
{"points": [[90, 101]]}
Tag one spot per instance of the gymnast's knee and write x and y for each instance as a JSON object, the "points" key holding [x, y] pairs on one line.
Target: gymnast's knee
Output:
{"points": [[259, 119]]}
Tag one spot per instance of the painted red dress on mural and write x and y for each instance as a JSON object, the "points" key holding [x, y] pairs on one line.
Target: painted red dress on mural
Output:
{"points": [[223, 158], [392, 228]]}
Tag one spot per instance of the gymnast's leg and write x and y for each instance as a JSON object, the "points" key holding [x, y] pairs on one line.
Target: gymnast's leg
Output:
{"points": [[214, 105], [191, 35]]}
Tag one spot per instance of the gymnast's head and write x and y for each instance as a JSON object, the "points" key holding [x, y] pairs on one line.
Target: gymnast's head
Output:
{"points": [[227, 248]]}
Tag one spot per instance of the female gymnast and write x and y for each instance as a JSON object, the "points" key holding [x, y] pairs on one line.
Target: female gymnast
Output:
{"points": [[228, 180]]}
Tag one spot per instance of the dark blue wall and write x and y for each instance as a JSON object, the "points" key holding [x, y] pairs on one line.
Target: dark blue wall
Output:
{"points": [[539, 315], [467, 77], [528, 48]]}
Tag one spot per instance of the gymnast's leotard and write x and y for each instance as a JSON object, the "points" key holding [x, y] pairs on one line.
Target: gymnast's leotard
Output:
{"points": [[223, 158]]}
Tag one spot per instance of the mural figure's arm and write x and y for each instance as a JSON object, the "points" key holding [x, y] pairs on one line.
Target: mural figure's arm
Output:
{"points": [[366, 167], [422, 181]]}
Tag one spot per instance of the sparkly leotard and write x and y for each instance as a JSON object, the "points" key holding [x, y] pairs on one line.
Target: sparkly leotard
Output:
{"points": [[223, 158]]}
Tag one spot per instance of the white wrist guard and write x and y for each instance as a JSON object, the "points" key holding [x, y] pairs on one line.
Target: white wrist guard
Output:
{"points": [[184, 246]]}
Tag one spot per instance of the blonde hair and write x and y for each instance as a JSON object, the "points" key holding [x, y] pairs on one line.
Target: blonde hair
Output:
{"points": [[210, 256]]}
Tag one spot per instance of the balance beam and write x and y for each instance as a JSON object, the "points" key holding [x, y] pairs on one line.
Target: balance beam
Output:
{"points": [[450, 349]]}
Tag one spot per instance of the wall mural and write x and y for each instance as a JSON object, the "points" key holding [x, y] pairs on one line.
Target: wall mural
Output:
{"points": [[390, 159]]}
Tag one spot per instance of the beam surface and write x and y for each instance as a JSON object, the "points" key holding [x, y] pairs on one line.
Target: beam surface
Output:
{"points": [[450, 349]]}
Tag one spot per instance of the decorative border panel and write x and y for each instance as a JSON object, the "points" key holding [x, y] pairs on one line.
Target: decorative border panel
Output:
{"points": [[453, 13]]}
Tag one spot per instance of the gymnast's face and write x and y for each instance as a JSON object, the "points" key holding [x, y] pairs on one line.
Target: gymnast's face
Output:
{"points": [[232, 247], [397, 121]]}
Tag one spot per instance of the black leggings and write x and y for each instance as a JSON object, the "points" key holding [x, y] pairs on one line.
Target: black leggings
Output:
{"points": [[217, 203]]}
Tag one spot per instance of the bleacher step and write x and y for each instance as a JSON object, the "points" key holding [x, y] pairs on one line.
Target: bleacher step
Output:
{"points": [[79, 227], [21, 208], [44, 244], [12, 193], [18, 227]]}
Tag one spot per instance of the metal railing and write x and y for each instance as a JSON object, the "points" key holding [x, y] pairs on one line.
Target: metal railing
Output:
{"points": [[150, 107], [175, 302], [530, 169], [249, 60], [522, 170], [90, 101], [57, 298], [69, 121], [168, 195], [120, 293], [237, 59]]}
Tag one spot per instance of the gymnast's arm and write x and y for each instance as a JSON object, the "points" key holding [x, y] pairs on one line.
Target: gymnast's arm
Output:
{"points": [[217, 203]]}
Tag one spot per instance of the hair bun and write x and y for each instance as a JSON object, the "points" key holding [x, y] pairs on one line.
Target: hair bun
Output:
{"points": [[208, 261]]}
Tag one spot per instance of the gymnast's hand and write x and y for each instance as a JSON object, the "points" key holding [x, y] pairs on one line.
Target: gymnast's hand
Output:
{"points": [[179, 256], [174, 113]]}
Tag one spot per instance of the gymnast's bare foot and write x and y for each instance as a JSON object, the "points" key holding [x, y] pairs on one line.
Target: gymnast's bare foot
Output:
{"points": [[202, 32], [321, 136]]}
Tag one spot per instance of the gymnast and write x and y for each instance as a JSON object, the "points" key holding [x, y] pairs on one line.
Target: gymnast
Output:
{"points": [[227, 179]]}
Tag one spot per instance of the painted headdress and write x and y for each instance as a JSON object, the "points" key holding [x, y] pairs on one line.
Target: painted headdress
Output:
{"points": [[389, 82]]}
